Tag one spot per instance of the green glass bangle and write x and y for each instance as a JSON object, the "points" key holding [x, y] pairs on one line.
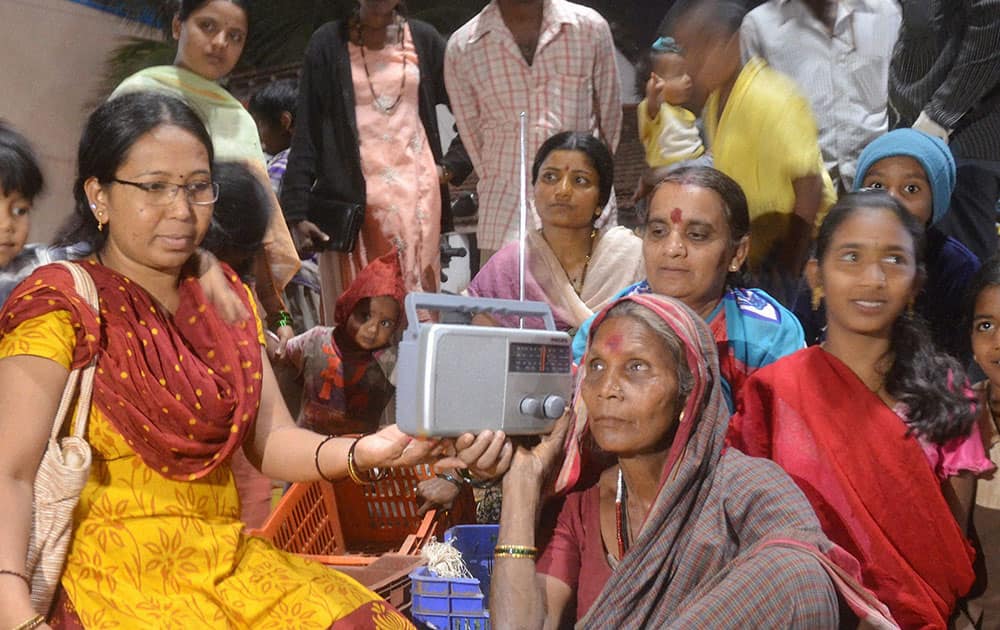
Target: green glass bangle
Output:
{"points": [[284, 318]]}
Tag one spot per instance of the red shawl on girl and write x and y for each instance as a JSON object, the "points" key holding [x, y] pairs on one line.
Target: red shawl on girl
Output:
{"points": [[183, 389], [870, 484]]}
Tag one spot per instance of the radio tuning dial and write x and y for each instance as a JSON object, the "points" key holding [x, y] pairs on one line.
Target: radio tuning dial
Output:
{"points": [[554, 407], [544, 408]]}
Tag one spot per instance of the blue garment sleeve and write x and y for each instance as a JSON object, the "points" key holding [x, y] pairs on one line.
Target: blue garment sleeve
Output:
{"points": [[760, 330]]}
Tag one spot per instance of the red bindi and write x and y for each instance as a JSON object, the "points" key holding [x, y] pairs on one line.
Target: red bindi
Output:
{"points": [[676, 216], [614, 343]]}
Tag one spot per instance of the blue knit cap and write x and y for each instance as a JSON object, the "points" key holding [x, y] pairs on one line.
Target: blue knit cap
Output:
{"points": [[933, 154]]}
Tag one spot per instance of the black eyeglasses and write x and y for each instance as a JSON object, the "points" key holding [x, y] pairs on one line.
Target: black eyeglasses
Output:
{"points": [[201, 193]]}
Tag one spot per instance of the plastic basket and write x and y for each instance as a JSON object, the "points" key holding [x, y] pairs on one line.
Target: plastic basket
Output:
{"points": [[458, 603], [384, 516], [476, 543], [347, 524], [389, 577]]}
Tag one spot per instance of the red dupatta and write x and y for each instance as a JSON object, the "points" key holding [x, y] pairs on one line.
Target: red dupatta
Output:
{"points": [[182, 389], [870, 484]]}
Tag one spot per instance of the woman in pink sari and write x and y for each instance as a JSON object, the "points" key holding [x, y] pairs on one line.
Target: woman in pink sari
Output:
{"points": [[571, 265]]}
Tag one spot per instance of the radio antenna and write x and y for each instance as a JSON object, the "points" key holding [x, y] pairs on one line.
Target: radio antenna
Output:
{"points": [[523, 207]]}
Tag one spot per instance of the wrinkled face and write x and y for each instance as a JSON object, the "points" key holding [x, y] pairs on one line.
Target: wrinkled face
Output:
{"points": [[687, 245], [630, 388], [373, 322], [905, 179], [567, 190], [868, 273], [143, 234], [210, 41], [15, 221], [677, 83], [986, 332]]}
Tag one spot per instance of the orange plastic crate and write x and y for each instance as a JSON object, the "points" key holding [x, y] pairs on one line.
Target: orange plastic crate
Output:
{"points": [[346, 524]]}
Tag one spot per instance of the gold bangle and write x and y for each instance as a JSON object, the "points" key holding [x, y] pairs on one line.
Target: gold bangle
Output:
{"points": [[352, 467], [374, 475], [515, 556], [34, 622], [515, 551]]}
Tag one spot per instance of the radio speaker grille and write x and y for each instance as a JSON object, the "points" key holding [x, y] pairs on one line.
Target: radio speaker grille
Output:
{"points": [[461, 377]]}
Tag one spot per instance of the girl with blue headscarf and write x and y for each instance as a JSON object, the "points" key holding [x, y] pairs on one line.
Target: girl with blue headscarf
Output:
{"points": [[919, 171]]}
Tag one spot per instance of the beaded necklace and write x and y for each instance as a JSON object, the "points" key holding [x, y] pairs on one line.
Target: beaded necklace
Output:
{"points": [[621, 516], [381, 103]]}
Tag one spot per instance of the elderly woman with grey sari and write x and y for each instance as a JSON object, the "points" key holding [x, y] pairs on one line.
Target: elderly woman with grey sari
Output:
{"points": [[678, 531]]}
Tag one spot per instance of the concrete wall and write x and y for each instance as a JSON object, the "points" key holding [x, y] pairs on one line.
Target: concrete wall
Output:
{"points": [[51, 66]]}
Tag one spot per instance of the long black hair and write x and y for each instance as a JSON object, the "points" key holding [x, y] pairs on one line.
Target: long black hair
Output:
{"points": [[107, 139], [930, 383], [596, 151], [19, 171]]}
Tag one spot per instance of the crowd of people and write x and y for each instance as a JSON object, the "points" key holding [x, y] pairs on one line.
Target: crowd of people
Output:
{"points": [[785, 379]]}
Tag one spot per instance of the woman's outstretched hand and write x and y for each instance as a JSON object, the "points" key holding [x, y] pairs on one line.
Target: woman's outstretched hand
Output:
{"points": [[390, 447]]}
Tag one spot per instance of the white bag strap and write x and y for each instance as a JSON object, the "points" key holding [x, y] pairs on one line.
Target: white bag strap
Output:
{"points": [[84, 285]]}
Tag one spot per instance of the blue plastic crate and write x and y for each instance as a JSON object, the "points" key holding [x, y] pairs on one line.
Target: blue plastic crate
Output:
{"points": [[454, 622], [476, 543], [439, 595], [458, 603]]}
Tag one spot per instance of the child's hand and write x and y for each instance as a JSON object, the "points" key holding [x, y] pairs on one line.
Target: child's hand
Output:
{"points": [[439, 493], [654, 94], [276, 342], [217, 289]]}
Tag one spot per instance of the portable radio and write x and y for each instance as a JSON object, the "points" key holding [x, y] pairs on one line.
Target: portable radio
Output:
{"points": [[453, 378]]}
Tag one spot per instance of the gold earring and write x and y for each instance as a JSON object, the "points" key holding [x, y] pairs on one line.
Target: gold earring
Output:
{"points": [[909, 308], [817, 298], [681, 417]]}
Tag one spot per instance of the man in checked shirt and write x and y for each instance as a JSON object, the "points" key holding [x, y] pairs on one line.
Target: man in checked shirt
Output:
{"points": [[552, 59]]}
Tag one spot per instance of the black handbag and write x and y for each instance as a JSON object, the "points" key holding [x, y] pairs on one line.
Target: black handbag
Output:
{"points": [[339, 220]]}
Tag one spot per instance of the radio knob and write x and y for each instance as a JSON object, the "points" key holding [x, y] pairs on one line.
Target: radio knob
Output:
{"points": [[531, 406], [549, 408], [553, 407]]}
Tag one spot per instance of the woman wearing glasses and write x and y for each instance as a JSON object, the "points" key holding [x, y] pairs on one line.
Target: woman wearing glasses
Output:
{"points": [[177, 392], [210, 37]]}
